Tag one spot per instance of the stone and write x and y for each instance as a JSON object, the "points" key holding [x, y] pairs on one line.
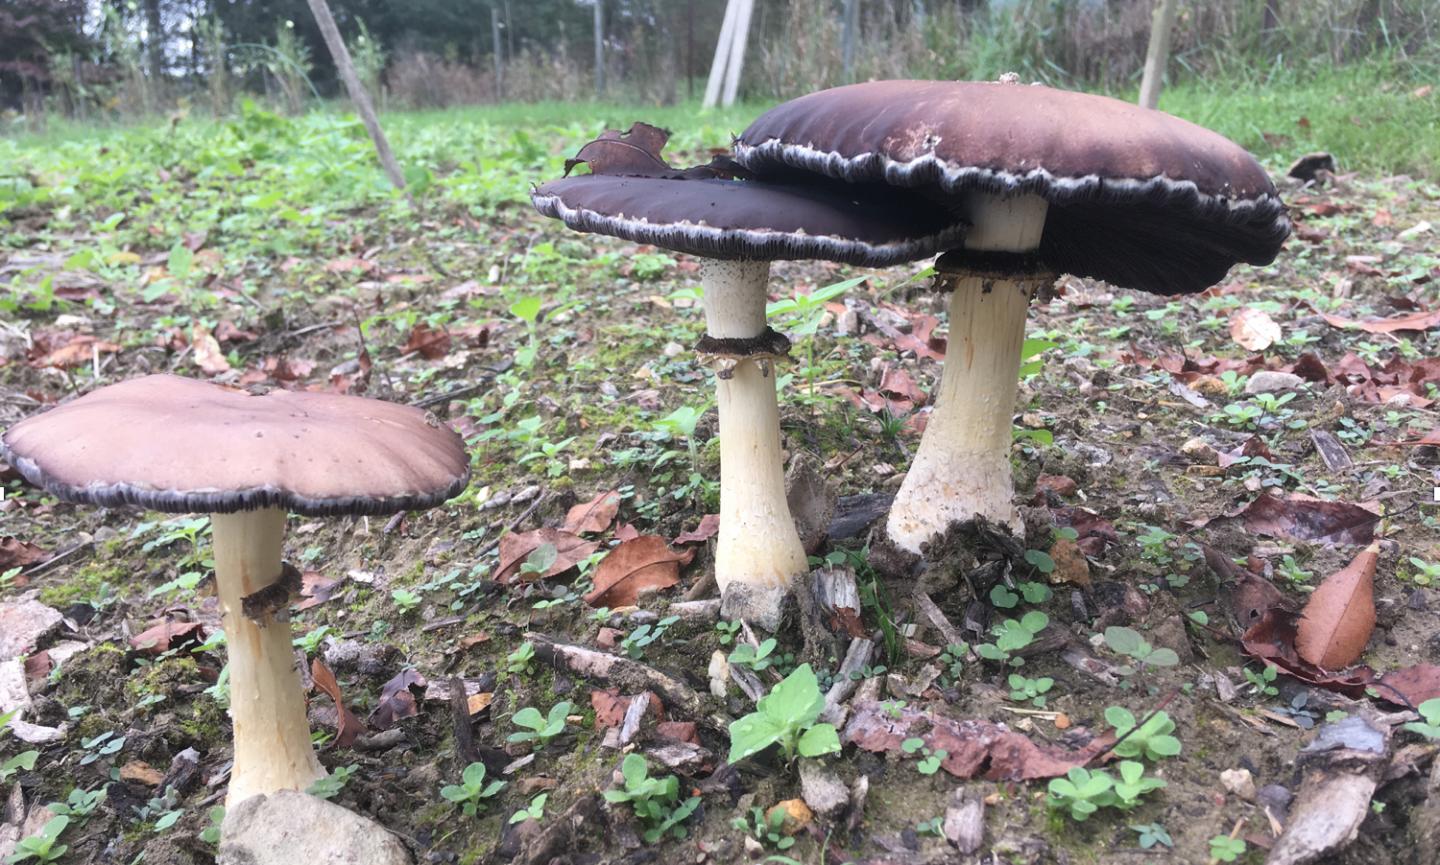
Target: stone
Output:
{"points": [[287, 827], [1269, 381], [1197, 450], [964, 824], [23, 624], [822, 789], [1240, 782], [1171, 634]]}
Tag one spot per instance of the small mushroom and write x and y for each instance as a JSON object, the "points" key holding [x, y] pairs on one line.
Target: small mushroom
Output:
{"points": [[1051, 182], [178, 445], [738, 227]]}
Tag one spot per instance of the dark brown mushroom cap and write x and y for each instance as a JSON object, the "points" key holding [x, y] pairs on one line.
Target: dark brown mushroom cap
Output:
{"points": [[180, 445], [743, 219], [1138, 197]]}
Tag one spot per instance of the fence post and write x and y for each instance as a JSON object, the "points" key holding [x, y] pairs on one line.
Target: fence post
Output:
{"points": [[1157, 53]]}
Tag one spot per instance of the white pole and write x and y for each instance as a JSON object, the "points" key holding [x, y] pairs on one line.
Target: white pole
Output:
{"points": [[1157, 53], [722, 53], [737, 51]]}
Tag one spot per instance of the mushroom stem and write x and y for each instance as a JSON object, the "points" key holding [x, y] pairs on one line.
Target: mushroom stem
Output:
{"points": [[758, 552], [267, 705], [962, 467]]}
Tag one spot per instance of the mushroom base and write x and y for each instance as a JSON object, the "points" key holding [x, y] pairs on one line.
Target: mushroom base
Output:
{"points": [[962, 467], [758, 551], [267, 705]]}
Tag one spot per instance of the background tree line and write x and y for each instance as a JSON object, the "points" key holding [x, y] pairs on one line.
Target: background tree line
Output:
{"points": [[102, 58]]}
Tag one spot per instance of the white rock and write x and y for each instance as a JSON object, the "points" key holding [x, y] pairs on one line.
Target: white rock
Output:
{"points": [[822, 789], [719, 674], [23, 624], [1269, 381], [1239, 782], [289, 827]]}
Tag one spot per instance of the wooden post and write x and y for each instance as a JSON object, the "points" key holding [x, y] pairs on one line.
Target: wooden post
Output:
{"points": [[722, 54], [599, 48], [321, 10], [736, 64], [495, 50], [1157, 53], [847, 39]]}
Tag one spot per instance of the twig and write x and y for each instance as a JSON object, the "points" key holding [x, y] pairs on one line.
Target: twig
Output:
{"points": [[605, 667], [539, 500], [55, 559], [436, 399], [1174, 692]]}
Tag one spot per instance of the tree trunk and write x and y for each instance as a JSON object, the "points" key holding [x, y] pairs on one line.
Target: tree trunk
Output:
{"points": [[154, 39], [847, 39], [736, 63], [321, 10], [1157, 54], [496, 51], [599, 49]]}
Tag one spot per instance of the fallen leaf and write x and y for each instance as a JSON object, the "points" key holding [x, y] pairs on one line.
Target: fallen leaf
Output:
{"points": [[1094, 532], [206, 351], [15, 553], [141, 772], [1414, 321], [163, 636], [593, 516], [477, 703], [680, 731], [345, 265], [626, 532], [708, 528], [1070, 564], [1415, 684], [610, 707], [428, 343], [316, 589], [974, 748], [645, 564], [350, 726], [1252, 447], [1300, 517], [1253, 330], [78, 351], [1339, 618], [398, 699], [1432, 438], [226, 331], [1272, 639], [515, 549]]}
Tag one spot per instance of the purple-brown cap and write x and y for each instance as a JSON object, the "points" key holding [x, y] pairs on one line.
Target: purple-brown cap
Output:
{"points": [[179, 445], [711, 212], [1138, 197]]}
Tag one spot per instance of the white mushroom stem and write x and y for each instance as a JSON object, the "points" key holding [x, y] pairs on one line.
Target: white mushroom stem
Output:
{"points": [[758, 552], [962, 467], [267, 705]]}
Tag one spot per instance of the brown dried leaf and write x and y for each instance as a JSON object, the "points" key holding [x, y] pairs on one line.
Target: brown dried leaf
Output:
{"points": [[1340, 616], [570, 550], [709, 527], [207, 352], [316, 589], [1070, 564], [1416, 684], [593, 516], [1423, 320], [399, 698], [633, 153], [15, 553], [645, 564], [1253, 330], [350, 726], [1305, 518], [162, 636], [1272, 640], [428, 343], [610, 707], [76, 352]]}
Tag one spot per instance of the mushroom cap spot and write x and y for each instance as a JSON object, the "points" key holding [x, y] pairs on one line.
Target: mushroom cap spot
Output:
{"points": [[1138, 197], [180, 445], [741, 219]]}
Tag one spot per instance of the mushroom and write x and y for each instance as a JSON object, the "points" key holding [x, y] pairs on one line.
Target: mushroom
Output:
{"points": [[178, 445], [737, 227], [1051, 182]]}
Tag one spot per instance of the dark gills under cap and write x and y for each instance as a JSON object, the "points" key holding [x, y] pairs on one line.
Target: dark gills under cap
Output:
{"points": [[1138, 197], [712, 212], [179, 445]]}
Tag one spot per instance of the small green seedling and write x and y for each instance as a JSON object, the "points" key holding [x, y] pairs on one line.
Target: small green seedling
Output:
{"points": [[934, 827], [1034, 690], [1011, 636], [517, 663], [1152, 741], [636, 642], [1223, 848], [1430, 726], [534, 811], [766, 829], [1152, 834], [1133, 785], [80, 803], [725, 631], [24, 761], [330, 786], [788, 715], [761, 658], [1081, 792], [472, 789], [211, 834], [1128, 642], [656, 801], [1263, 681], [540, 560], [42, 846], [540, 729], [103, 745], [930, 760], [405, 599]]}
